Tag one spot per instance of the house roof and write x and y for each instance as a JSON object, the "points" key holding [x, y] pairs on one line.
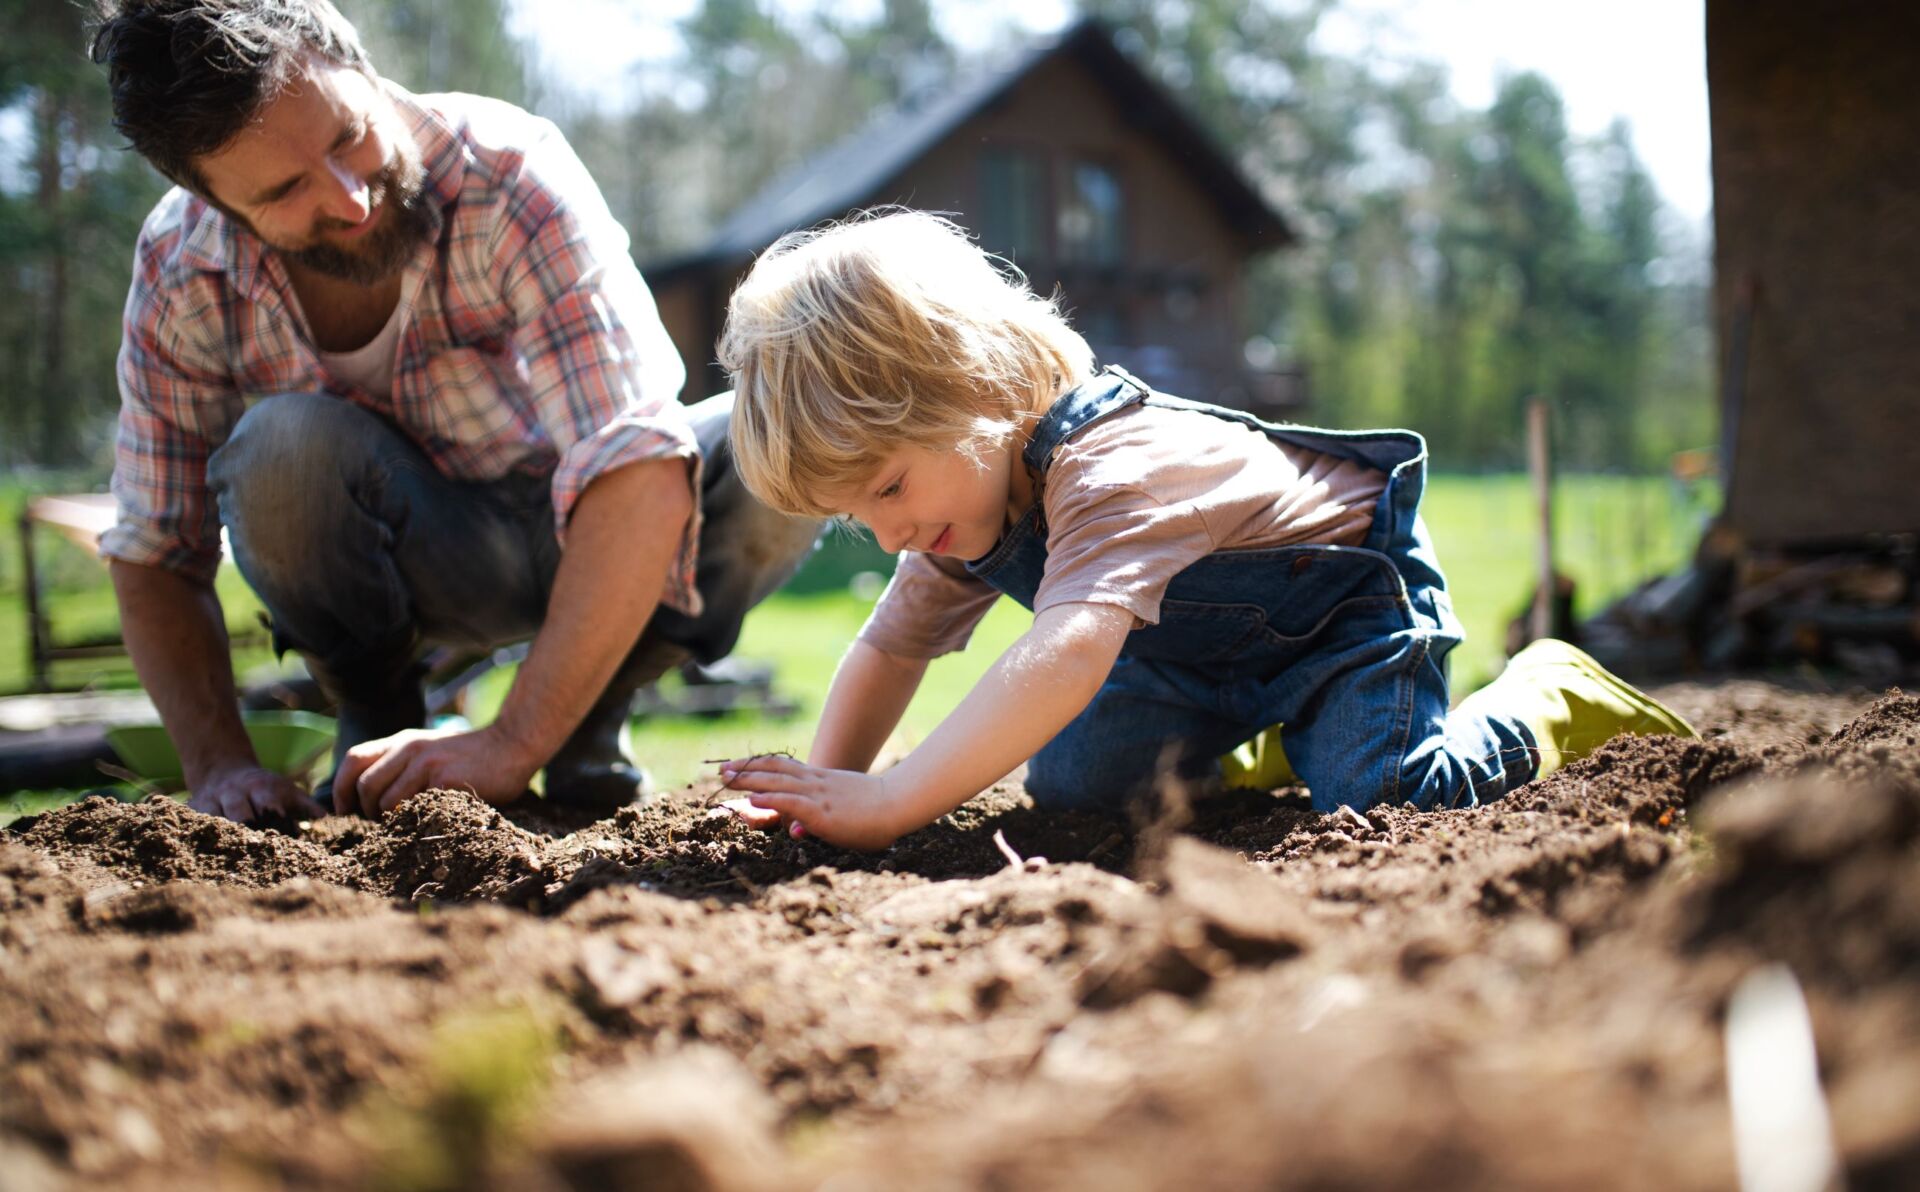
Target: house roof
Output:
{"points": [[857, 169]]}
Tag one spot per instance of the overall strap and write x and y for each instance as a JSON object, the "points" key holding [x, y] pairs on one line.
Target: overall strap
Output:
{"points": [[1110, 390]]}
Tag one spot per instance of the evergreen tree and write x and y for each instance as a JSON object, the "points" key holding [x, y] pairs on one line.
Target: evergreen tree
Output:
{"points": [[71, 202]]}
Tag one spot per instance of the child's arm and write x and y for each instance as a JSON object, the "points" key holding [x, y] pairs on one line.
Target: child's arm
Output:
{"points": [[870, 692], [1037, 687]]}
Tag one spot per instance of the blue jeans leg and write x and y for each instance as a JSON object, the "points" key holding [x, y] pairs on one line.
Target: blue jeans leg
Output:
{"points": [[746, 552], [1375, 729], [1149, 722], [361, 550]]}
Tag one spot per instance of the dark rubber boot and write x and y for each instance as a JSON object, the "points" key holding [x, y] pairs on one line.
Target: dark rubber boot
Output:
{"points": [[366, 709], [595, 770]]}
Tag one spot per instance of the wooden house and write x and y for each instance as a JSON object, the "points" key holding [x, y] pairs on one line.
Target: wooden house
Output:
{"points": [[1070, 162]]}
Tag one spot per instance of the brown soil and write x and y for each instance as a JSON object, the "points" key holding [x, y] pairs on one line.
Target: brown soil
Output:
{"points": [[1530, 993]]}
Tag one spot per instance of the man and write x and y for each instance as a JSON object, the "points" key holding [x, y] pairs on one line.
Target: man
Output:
{"points": [[396, 346]]}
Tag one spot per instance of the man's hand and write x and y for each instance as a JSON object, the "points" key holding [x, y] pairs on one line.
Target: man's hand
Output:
{"points": [[842, 807], [377, 776], [248, 792]]}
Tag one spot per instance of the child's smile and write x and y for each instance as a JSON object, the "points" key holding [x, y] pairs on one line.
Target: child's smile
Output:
{"points": [[936, 502]]}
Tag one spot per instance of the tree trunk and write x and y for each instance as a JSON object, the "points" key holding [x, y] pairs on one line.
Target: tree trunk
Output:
{"points": [[52, 389]]}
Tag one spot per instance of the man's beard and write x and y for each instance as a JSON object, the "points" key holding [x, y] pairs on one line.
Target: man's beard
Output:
{"points": [[410, 219]]}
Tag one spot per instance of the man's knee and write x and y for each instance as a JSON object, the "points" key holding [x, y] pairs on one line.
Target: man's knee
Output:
{"points": [[282, 441], [287, 484], [711, 418]]}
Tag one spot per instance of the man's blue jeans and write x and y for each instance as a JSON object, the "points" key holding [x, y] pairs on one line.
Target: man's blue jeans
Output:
{"points": [[362, 552]]}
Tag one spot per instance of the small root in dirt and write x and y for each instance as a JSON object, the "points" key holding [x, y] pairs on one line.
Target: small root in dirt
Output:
{"points": [[727, 786]]}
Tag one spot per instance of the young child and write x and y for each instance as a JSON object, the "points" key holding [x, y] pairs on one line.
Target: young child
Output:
{"points": [[1197, 576]]}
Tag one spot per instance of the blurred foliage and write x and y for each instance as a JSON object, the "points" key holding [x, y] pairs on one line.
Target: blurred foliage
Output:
{"points": [[445, 45], [70, 207], [1451, 262], [464, 1114]]}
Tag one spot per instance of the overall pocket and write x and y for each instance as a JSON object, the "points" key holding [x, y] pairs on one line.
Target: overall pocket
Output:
{"points": [[1199, 631]]}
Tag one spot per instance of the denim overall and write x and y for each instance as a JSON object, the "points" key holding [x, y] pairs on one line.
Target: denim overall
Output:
{"points": [[1342, 645]]}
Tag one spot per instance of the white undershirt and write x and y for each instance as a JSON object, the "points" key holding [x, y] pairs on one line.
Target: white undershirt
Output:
{"points": [[370, 366]]}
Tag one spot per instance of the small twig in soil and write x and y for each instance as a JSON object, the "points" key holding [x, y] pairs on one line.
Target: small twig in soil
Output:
{"points": [[727, 786]]}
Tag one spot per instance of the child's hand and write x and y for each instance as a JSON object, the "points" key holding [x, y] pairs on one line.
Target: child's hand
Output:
{"points": [[756, 817], [841, 807]]}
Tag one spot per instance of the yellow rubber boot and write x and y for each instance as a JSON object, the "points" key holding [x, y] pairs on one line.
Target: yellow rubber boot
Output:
{"points": [[1259, 765], [1573, 704]]}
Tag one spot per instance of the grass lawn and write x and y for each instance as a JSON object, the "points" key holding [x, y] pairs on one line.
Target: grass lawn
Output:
{"points": [[1613, 532]]}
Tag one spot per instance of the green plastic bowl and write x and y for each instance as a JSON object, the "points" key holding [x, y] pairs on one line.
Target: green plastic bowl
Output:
{"points": [[285, 742]]}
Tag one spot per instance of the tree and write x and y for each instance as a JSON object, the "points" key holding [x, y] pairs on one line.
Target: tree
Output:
{"points": [[444, 45], [1449, 265], [751, 93], [70, 217]]}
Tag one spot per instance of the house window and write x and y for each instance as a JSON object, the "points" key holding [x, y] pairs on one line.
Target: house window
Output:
{"points": [[1091, 211], [1012, 203]]}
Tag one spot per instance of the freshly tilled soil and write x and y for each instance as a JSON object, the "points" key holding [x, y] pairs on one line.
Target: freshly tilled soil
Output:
{"points": [[1230, 994]]}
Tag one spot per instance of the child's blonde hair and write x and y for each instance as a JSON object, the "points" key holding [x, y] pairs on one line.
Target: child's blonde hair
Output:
{"points": [[850, 341]]}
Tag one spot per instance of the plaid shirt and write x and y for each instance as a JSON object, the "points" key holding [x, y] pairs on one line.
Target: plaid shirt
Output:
{"points": [[529, 343]]}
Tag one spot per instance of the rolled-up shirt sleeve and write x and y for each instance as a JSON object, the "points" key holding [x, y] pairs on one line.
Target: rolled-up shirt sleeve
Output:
{"points": [[176, 400], [603, 373]]}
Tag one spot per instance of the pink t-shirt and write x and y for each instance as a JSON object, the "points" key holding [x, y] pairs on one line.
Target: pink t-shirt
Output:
{"points": [[1131, 502]]}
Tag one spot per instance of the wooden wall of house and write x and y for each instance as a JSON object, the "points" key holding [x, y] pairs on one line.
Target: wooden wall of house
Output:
{"points": [[688, 316], [1177, 295], [1816, 170]]}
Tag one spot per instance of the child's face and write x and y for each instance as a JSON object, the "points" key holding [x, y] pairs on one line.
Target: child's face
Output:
{"points": [[937, 502]]}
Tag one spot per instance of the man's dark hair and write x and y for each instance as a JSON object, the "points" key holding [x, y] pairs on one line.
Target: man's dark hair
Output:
{"points": [[188, 75]]}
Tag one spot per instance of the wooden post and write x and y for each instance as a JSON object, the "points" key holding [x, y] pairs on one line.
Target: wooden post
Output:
{"points": [[39, 634], [1540, 466]]}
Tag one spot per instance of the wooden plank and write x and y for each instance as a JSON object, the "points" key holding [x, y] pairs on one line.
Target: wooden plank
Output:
{"points": [[1540, 464], [78, 517]]}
